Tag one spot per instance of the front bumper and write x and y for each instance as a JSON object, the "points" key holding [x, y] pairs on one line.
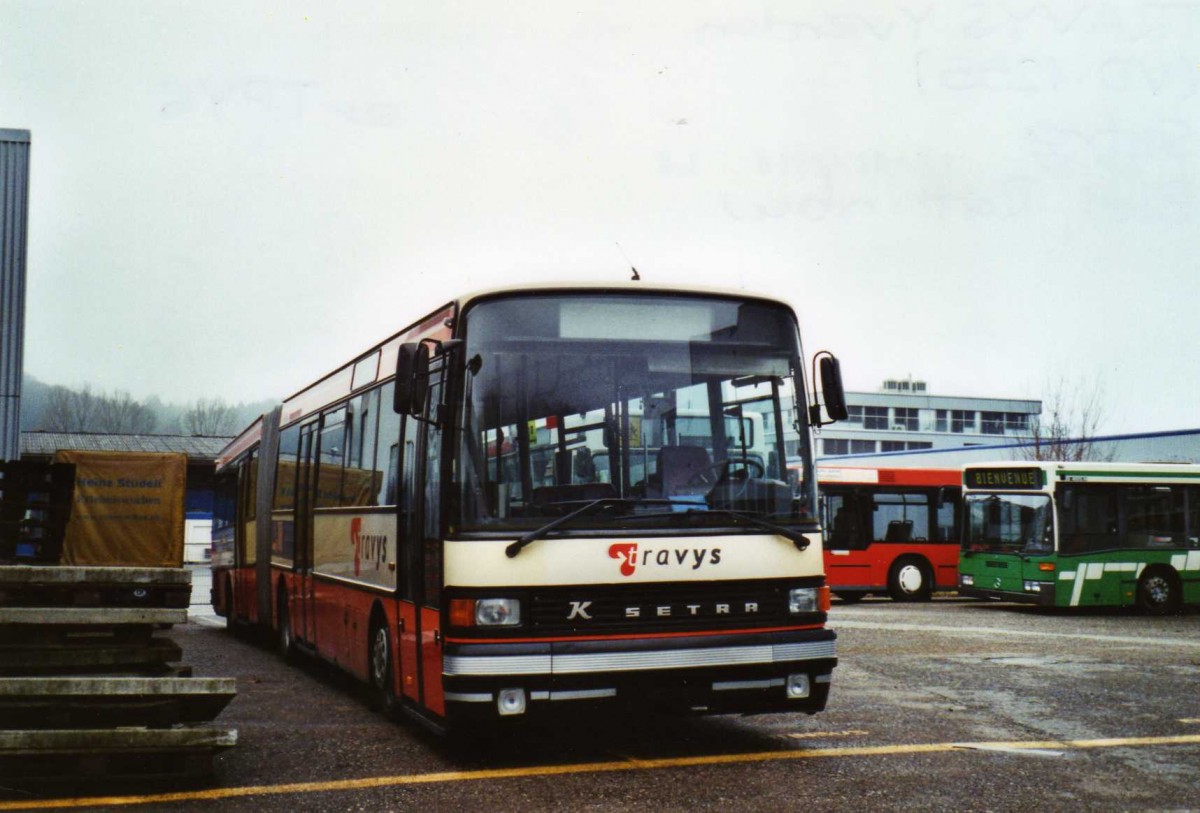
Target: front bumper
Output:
{"points": [[1043, 598], [740, 672]]}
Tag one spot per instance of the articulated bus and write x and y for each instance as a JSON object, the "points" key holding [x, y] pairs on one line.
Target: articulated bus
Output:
{"points": [[433, 516], [1082, 534], [891, 531]]}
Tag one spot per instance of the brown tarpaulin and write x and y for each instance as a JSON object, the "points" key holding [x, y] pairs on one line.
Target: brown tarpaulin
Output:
{"points": [[128, 509]]}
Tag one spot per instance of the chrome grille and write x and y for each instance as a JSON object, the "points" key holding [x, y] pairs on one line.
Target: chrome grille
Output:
{"points": [[660, 607]]}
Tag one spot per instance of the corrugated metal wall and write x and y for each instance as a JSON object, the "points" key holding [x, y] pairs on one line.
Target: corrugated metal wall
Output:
{"points": [[14, 219]]}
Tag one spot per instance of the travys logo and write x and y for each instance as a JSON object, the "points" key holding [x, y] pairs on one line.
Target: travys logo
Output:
{"points": [[369, 547], [632, 557]]}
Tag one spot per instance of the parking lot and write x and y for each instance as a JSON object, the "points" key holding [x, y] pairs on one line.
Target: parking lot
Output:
{"points": [[952, 704]]}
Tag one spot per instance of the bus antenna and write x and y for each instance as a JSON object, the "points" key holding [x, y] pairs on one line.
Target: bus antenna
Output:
{"points": [[636, 276]]}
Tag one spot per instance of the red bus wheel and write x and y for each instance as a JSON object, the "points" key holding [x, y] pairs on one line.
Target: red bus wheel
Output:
{"points": [[910, 579]]}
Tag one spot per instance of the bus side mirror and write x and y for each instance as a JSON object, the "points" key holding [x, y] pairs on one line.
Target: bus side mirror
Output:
{"points": [[831, 386], [412, 379], [831, 389]]}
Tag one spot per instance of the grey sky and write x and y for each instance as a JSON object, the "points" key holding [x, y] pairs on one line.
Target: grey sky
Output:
{"points": [[229, 199]]}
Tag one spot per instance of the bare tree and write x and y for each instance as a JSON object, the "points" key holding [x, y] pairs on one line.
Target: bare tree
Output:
{"points": [[213, 418], [120, 414], [69, 410], [1072, 413]]}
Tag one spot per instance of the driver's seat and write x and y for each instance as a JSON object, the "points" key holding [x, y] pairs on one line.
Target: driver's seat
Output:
{"points": [[680, 466]]}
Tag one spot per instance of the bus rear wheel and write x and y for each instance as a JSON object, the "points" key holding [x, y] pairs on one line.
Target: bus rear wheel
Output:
{"points": [[1158, 591], [284, 645], [910, 580]]}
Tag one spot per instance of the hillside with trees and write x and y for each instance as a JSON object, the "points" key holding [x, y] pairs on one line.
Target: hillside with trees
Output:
{"points": [[55, 408]]}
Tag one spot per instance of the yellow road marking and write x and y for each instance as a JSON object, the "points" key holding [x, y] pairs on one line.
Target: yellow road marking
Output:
{"points": [[1190, 720], [821, 735], [589, 767]]}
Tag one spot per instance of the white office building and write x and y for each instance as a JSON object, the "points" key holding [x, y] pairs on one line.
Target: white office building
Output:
{"points": [[902, 416]]}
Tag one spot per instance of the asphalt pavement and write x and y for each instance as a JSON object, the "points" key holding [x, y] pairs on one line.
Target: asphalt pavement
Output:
{"points": [[949, 705]]}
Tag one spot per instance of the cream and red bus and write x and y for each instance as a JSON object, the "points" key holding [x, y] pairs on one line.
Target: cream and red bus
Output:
{"points": [[890, 531], [431, 518]]}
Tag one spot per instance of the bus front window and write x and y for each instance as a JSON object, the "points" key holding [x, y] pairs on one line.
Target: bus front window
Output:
{"points": [[1009, 523], [668, 407]]}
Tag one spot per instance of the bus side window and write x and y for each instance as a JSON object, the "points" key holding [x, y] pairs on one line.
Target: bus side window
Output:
{"points": [[385, 474], [1193, 515], [947, 515], [1154, 517], [1088, 520], [847, 523]]}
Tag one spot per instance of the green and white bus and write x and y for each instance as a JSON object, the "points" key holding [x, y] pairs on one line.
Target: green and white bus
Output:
{"points": [[1082, 534]]}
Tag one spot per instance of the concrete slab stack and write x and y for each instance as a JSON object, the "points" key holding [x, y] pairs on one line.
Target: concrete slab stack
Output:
{"points": [[90, 684]]}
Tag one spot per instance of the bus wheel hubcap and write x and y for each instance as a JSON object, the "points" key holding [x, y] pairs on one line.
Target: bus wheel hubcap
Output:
{"points": [[379, 657], [910, 578], [1158, 590]]}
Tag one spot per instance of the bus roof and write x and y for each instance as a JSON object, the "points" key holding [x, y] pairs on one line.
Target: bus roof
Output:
{"points": [[249, 436]]}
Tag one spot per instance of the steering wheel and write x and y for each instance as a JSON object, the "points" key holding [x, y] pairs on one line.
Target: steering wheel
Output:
{"points": [[719, 472]]}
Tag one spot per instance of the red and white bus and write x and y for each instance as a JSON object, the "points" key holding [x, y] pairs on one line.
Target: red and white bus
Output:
{"points": [[431, 516], [893, 531]]}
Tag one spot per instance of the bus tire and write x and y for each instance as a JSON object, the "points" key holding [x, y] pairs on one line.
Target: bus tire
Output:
{"points": [[284, 645], [910, 579], [227, 608], [1158, 591], [381, 665]]}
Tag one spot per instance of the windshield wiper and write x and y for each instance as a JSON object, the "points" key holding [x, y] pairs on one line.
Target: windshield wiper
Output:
{"points": [[534, 535], [797, 538]]}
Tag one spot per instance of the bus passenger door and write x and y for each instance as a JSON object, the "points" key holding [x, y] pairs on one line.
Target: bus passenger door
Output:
{"points": [[421, 548], [304, 624], [429, 541], [404, 454]]}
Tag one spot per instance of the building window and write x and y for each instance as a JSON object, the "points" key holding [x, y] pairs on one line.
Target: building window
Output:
{"points": [[903, 445], [862, 447], [962, 421], [941, 424], [992, 423], [1016, 422], [833, 446], [875, 417], [854, 414], [907, 419]]}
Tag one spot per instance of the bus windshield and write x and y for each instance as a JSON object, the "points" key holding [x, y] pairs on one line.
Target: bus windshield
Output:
{"points": [[675, 410], [1009, 523]]}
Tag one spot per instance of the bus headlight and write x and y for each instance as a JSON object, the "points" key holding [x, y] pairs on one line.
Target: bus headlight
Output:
{"points": [[485, 612], [966, 580], [802, 600]]}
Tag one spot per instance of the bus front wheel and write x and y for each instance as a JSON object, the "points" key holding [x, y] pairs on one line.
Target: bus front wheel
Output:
{"points": [[227, 608], [910, 580], [1158, 591], [381, 667]]}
